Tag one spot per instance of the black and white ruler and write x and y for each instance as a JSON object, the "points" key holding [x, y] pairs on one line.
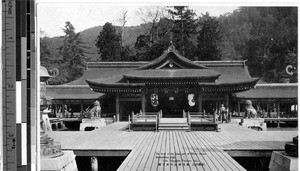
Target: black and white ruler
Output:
{"points": [[19, 87]]}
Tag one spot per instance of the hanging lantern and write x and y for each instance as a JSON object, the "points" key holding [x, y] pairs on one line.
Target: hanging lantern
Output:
{"points": [[191, 99], [154, 99]]}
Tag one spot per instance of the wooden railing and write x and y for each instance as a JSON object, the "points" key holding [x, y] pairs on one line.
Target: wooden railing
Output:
{"points": [[144, 118], [200, 117]]}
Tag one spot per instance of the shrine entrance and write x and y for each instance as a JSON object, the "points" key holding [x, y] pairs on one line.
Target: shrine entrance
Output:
{"points": [[173, 104]]}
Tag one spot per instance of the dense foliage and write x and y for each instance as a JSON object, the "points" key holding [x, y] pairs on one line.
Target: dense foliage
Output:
{"points": [[109, 43], [264, 36], [70, 58]]}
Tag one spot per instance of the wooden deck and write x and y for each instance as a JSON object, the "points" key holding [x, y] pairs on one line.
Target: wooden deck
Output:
{"points": [[174, 150]]}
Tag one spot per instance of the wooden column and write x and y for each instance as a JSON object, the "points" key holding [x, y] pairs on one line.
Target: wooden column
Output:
{"points": [[63, 110], [227, 107], [239, 108], [278, 113], [200, 99], [81, 110], [94, 163], [117, 104], [226, 101], [144, 103]]}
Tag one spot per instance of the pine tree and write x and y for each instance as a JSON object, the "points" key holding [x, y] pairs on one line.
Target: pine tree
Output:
{"points": [[72, 55], [208, 38], [109, 43], [184, 26]]}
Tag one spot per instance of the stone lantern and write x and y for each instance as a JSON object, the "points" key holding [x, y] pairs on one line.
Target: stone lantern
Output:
{"points": [[48, 147], [52, 157]]}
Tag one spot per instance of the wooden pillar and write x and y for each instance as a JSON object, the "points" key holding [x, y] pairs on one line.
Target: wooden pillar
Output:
{"points": [[63, 110], [81, 109], [94, 163], [200, 99], [144, 103], [117, 104], [278, 113], [239, 108], [226, 101]]}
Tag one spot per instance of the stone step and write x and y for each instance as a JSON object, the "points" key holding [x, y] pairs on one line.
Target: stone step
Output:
{"points": [[173, 124], [173, 128], [173, 120]]}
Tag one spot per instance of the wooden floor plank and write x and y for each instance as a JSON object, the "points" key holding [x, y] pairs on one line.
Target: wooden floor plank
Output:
{"points": [[148, 149], [177, 153], [127, 163], [192, 155], [182, 152], [210, 152], [157, 151], [202, 158], [161, 160], [142, 155], [152, 153]]}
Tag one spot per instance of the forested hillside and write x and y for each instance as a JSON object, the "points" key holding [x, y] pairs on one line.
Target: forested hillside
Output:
{"points": [[264, 36]]}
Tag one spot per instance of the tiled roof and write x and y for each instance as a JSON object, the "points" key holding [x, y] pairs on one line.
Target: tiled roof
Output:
{"points": [[171, 74], [270, 91], [173, 56], [78, 92]]}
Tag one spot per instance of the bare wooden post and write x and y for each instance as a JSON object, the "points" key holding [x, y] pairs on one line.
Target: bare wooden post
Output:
{"points": [[189, 121], [118, 117], [114, 118], [214, 117], [132, 116], [81, 110], [94, 163], [200, 102], [144, 103], [117, 104], [128, 122], [239, 108], [278, 112]]}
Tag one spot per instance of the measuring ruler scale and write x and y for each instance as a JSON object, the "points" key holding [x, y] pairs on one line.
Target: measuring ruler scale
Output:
{"points": [[18, 59]]}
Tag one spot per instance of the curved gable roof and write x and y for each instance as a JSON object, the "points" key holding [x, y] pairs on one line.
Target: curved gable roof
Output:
{"points": [[172, 56]]}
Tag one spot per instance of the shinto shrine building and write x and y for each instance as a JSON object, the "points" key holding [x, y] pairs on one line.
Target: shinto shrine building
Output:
{"points": [[171, 83]]}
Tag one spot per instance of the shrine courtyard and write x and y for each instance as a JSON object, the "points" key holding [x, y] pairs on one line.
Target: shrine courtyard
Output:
{"points": [[174, 150]]}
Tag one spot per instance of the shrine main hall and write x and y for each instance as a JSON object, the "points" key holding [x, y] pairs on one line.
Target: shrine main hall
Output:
{"points": [[171, 84]]}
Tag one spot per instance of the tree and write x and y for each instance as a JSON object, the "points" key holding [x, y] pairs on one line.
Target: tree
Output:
{"points": [[208, 38], [149, 50], [72, 55], [264, 36], [184, 26], [108, 43], [151, 16], [123, 20]]}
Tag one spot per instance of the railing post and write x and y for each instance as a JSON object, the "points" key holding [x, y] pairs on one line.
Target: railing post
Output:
{"points": [[214, 117], [184, 114], [132, 116], [128, 122], [118, 117], [189, 121], [156, 123], [114, 118]]}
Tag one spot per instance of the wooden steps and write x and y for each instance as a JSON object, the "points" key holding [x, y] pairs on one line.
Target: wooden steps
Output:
{"points": [[173, 124]]}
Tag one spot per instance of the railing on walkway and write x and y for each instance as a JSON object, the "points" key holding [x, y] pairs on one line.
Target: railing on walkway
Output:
{"points": [[200, 120], [148, 117], [200, 117]]}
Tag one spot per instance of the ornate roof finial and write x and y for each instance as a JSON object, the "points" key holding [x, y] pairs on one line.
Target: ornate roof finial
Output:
{"points": [[171, 47]]}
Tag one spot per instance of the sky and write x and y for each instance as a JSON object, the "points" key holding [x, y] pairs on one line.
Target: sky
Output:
{"points": [[52, 16]]}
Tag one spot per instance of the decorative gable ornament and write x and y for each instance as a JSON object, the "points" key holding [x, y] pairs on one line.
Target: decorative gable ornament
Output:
{"points": [[191, 99], [154, 99]]}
